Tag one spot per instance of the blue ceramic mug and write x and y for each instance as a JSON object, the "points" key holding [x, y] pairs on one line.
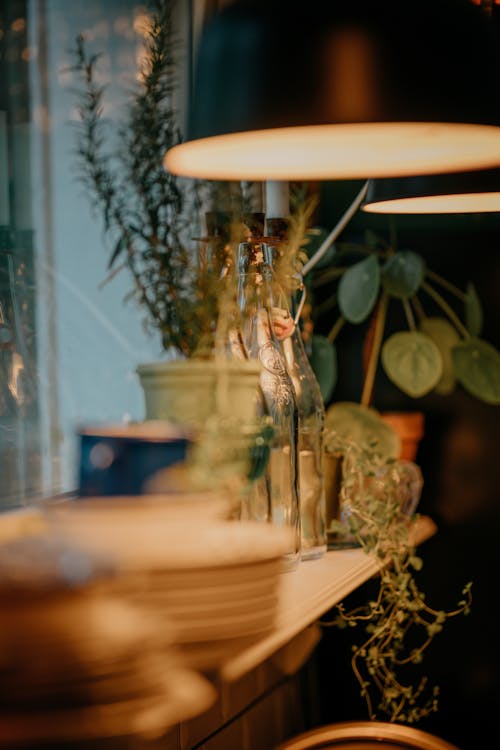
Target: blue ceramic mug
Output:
{"points": [[122, 459]]}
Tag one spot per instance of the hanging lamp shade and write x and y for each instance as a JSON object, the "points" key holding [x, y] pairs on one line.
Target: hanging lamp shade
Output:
{"points": [[475, 191], [340, 89]]}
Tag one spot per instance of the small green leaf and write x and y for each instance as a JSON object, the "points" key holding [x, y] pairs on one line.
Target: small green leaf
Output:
{"points": [[323, 361], [415, 562], [358, 289], [403, 273], [412, 361], [259, 459], [391, 692], [445, 337], [473, 311], [477, 368]]}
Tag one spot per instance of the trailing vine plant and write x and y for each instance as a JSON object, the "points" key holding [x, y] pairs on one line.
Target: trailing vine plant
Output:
{"points": [[397, 623]]}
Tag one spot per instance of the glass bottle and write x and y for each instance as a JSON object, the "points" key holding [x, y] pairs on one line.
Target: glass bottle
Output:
{"points": [[234, 445], [311, 412], [277, 499]]}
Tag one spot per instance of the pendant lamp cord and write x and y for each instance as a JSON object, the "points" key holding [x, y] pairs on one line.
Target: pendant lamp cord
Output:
{"points": [[345, 219], [336, 230]]}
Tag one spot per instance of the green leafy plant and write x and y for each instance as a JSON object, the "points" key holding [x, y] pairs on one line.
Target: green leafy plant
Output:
{"points": [[153, 223], [397, 624], [149, 215], [437, 350]]}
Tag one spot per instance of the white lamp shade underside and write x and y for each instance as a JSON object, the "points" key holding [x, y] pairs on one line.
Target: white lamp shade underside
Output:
{"points": [[339, 151]]}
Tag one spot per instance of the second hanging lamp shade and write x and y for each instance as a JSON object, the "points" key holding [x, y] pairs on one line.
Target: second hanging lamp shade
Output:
{"points": [[340, 89], [475, 191]]}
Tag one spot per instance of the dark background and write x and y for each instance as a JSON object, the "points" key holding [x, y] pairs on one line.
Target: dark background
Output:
{"points": [[460, 459]]}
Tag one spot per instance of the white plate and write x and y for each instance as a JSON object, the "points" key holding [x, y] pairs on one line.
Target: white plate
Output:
{"points": [[142, 509], [191, 626], [224, 579], [177, 544], [193, 590], [215, 610], [225, 628]]}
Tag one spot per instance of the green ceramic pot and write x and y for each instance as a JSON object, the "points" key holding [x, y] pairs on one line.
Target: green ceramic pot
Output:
{"points": [[193, 390]]}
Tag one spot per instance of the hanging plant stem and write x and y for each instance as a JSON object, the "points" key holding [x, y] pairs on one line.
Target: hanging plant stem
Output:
{"points": [[330, 275], [397, 624], [418, 308], [328, 304], [409, 315], [446, 285], [438, 299], [335, 329]]}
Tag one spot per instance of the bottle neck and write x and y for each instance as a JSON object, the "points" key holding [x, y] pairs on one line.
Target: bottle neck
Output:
{"points": [[254, 274], [251, 257]]}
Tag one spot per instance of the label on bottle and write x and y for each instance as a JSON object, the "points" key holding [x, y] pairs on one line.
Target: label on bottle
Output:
{"points": [[272, 360]]}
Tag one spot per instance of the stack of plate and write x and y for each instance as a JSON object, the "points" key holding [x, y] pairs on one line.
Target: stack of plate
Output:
{"points": [[77, 664], [216, 581], [217, 606]]}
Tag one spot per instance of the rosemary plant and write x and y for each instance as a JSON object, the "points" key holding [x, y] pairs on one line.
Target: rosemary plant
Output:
{"points": [[149, 215]]}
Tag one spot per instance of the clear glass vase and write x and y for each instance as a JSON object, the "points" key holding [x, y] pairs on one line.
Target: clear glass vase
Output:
{"points": [[311, 412], [276, 497]]}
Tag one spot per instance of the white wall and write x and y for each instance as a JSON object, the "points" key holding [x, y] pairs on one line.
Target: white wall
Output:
{"points": [[89, 340]]}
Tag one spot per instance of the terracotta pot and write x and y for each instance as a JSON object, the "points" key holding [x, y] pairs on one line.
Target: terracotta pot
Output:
{"points": [[410, 428]]}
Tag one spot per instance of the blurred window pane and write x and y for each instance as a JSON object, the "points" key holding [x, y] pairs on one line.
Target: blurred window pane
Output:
{"points": [[69, 346]]}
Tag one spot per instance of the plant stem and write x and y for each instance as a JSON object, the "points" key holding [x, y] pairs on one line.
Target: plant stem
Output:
{"points": [[418, 308], [446, 284], [409, 315], [438, 299], [381, 315], [326, 305], [335, 329], [329, 275]]}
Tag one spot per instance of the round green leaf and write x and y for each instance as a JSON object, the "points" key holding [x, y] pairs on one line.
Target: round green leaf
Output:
{"points": [[412, 361], [358, 289], [403, 273], [473, 311], [364, 426], [445, 337], [323, 361], [477, 368]]}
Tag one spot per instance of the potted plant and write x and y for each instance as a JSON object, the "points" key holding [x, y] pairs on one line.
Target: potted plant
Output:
{"points": [[438, 347], [398, 624], [151, 220], [150, 217], [373, 487]]}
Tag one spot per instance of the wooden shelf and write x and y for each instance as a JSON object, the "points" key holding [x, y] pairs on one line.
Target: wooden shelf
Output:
{"points": [[262, 677], [308, 592]]}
